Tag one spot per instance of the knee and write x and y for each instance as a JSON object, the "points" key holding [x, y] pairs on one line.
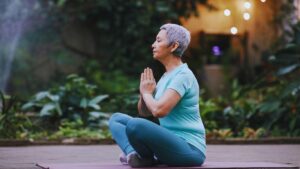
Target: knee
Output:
{"points": [[134, 127], [114, 118]]}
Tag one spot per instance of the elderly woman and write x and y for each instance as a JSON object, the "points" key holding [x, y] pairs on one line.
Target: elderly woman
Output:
{"points": [[179, 140]]}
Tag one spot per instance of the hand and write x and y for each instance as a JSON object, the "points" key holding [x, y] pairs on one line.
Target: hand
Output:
{"points": [[147, 83]]}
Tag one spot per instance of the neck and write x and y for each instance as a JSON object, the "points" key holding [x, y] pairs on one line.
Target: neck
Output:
{"points": [[171, 62]]}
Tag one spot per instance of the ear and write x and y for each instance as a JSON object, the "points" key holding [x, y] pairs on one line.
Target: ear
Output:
{"points": [[174, 46]]}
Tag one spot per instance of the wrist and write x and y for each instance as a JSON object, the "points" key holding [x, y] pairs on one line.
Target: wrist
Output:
{"points": [[145, 94]]}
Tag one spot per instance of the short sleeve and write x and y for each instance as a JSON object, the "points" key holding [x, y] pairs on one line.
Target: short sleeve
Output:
{"points": [[180, 83]]}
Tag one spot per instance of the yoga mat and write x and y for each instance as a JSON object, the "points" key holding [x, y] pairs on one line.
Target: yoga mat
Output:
{"points": [[208, 165]]}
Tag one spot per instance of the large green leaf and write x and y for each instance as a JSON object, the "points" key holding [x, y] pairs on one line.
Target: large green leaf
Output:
{"points": [[290, 48], [96, 115], [95, 106], [287, 69], [41, 95], [84, 103], [47, 109], [291, 88], [285, 59], [98, 99], [52, 97], [269, 106], [58, 109], [28, 105]]}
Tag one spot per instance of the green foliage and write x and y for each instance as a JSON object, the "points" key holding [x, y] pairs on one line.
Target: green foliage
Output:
{"points": [[76, 129], [111, 82], [281, 103], [268, 107], [123, 90], [210, 113], [74, 100], [71, 130], [285, 22], [251, 133], [125, 103], [219, 134], [234, 112], [13, 123], [124, 30]]}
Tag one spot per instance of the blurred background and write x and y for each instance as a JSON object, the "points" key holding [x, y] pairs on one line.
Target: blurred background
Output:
{"points": [[65, 65]]}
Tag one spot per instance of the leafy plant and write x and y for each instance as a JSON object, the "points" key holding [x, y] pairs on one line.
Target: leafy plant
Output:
{"points": [[210, 113], [123, 90], [252, 133], [71, 130], [74, 100], [235, 112], [108, 20], [281, 104], [13, 123], [111, 82], [219, 134], [76, 129]]}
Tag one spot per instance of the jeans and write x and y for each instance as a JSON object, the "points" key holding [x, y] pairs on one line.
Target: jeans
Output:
{"points": [[149, 139]]}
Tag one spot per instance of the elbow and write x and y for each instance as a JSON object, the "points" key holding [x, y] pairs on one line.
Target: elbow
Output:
{"points": [[159, 112]]}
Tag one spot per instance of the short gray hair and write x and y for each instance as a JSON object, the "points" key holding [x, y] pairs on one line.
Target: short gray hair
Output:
{"points": [[177, 33]]}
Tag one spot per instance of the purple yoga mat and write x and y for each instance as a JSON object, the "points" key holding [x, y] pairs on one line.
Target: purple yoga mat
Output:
{"points": [[209, 165]]}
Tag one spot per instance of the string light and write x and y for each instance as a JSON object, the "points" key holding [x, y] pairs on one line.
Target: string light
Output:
{"points": [[227, 12], [247, 5], [246, 16], [233, 30]]}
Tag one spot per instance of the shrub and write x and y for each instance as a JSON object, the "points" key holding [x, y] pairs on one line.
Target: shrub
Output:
{"points": [[13, 123], [74, 100]]}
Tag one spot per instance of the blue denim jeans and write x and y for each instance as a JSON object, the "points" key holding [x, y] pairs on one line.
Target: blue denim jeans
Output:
{"points": [[149, 139]]}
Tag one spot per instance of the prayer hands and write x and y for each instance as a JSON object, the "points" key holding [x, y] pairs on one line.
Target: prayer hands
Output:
{"points": [[147, 83]]}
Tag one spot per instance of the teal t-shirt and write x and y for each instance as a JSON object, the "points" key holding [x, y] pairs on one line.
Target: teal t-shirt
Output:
{"points": [[184, 119]]}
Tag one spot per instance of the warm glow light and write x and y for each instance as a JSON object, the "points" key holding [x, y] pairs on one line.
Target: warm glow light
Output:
{"points": [[233, 30], [263, 1], [227, 12], [247, 5], [246, 16]]}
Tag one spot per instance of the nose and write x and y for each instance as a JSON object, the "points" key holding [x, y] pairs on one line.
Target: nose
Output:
{"points": [[153, 45]]}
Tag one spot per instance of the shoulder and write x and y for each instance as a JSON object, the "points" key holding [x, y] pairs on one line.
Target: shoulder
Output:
{"points": [[182, 81], [186, 75]]}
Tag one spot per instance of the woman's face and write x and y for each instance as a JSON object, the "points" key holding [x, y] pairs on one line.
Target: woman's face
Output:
{"points": [[160, 47]]}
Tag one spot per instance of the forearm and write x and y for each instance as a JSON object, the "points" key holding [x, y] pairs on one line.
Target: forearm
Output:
{"points": [[153, 105], [142, 108]]}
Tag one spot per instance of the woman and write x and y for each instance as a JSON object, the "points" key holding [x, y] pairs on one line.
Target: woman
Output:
{"points": [[179, 140]]}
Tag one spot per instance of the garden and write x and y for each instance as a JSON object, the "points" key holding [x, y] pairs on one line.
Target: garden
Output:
{"points": [[63, 87]]}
